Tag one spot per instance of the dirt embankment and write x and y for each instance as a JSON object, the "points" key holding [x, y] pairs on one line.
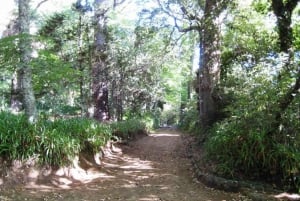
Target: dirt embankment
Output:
{"points": [[153, 167]]}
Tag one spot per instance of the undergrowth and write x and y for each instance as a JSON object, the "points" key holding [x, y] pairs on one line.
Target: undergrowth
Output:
{"points": [[57, 142], [250, 142], [128, 129]]}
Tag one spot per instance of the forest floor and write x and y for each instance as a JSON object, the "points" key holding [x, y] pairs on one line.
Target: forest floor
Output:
{"points": [[152, 167]]}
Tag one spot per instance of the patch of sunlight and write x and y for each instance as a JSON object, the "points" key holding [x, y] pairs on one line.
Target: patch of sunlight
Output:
{"points": [[164, 135], [138, 165], [33, 174], [66, 177], [4, 198], [89, 176], [131, 184], [65, 181], [150, 198], [141, 177], [288, 196], [164, 188], [132, 171], [62, 186]]}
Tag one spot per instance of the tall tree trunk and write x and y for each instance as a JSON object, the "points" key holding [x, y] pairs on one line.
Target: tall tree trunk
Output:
{"points": [[80, 66], [120, 96], [25, 56], [15, 93], [99, 68], [209, 63], [283, 10]]}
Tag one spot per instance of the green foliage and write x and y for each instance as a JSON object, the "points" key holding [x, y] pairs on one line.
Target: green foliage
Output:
{"points": [[54, 22], [243, 146], [128, 129], [56, 146], [50, 72], [262, 6], [246, 143], [296, 31], [58, 142], [169, 117], [17, 138], [189, 120], [56, 29], [8, 57], [249, 37], [61, 140]]}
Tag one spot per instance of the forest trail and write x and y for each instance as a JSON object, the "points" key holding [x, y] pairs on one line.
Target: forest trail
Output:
{"points": [[151, 168]]}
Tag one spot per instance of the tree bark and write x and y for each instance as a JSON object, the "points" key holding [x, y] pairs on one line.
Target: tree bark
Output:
{"points": [[209, 65], [80, 66], [283, 11], [25, 57], [99, 68], [15, 93]]}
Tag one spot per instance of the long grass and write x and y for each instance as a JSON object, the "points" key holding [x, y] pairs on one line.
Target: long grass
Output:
{"points": [[57, 142]]}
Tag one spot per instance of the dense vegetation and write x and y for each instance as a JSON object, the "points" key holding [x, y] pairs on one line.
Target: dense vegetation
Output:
{"points": [[57, 142], [227, 71]]}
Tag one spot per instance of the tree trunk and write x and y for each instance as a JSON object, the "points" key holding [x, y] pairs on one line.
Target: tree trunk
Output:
{"points": [[25, 56], [209, 64], [80, 67], [283, 10], [99, 68], [15, 93]]}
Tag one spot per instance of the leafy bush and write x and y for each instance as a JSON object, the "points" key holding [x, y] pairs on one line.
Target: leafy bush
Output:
{"points": [[244, 146], [56, 145], [189, 120], [128, 129], [61, 139], [247, 142], [58, 142], [17, 138]]}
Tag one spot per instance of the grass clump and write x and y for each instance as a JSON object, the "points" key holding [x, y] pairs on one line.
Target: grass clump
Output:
{"points": [[57, 142], [128, 129], [63, 139], [17, 137]]}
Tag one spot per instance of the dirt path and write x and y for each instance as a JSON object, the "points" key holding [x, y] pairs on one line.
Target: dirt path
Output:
{"points": [[152, 168]]}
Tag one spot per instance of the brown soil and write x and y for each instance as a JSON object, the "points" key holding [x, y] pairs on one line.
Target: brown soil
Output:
{"points": [[153, 167]]}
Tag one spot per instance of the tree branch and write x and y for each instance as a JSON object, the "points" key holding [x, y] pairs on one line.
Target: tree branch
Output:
{"points": [[284, 103], [165, 10], [39, 4], [116, 3], [189, 16], [290, 95]]}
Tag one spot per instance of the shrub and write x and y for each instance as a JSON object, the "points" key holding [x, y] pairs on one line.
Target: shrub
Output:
{"points": [[56, 146], [61, 140], [58, 142], [189, 120], [246, 142], [17, 138], [128, 129], [239, 147]]}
